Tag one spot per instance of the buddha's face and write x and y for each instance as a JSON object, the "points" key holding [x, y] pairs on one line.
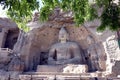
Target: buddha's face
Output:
{"points": [[63, 35]]}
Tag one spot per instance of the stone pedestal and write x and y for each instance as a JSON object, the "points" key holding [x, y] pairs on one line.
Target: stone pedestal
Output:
{"points": [[69, 68], [50, 68], [25, 77]]}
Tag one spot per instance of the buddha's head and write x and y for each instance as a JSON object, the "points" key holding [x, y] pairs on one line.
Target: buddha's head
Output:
{"points": [[63, 35]]}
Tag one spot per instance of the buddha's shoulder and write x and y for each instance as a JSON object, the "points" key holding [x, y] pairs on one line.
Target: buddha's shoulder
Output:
{"points": [[56, 44], [74, 43]]}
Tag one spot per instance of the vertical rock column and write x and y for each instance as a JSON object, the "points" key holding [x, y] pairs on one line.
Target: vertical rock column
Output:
{"points": [[3, 35]]}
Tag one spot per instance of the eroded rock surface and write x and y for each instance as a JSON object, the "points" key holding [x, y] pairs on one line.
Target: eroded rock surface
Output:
{"points": [[33, 47], [8, 33], [30, 46], [12, 75], [75, 69], [16, 64]]}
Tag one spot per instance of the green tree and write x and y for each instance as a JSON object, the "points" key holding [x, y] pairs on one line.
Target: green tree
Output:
{"points": [[83, 11], [21, 11]]}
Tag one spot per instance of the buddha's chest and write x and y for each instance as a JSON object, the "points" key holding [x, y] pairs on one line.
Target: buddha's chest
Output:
{"points": [[63, 53]]}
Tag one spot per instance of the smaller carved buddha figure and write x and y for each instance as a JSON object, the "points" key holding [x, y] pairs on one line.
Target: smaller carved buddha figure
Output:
{"points": [[96, 57], [92, 55], [64, 52]]}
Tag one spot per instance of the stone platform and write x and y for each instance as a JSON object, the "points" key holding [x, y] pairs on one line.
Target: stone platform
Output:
{"points": [[52, 76], [50, 68], [69, 68], [63, 76]]}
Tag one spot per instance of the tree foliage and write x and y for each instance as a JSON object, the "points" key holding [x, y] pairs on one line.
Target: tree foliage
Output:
{"points": [[80, 8], [21, 11], [110, 17], [83, 11]]}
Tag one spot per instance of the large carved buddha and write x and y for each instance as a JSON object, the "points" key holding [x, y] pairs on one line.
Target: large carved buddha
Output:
{"points": [[64, 56], [64, 52]]}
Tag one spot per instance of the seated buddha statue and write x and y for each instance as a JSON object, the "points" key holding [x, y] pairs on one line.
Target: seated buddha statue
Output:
{"points": [[64, 52]]}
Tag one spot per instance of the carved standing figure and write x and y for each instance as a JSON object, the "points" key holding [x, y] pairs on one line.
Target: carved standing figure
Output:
{"points": [[96, 57], [64, 52], [92, 55]]}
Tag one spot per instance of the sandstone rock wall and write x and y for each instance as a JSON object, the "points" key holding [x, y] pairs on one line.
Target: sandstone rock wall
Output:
{"points": [[9, 33], [109, 42], [11, 39], [3, 35], [31, 45], [8, 37], [7, 23], [40, 39]]}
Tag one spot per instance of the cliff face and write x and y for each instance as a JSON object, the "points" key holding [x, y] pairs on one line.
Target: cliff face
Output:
{"points": [[32, 47], [7, 23], [8, 37], [9, 32], [39, 40]]}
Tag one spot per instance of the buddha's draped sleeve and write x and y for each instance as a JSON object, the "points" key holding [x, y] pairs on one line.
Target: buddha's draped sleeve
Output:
{"points": [[77, 56], [51, 53]]}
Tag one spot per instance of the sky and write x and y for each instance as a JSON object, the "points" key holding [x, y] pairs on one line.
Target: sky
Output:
{"points": [[2, 12]]}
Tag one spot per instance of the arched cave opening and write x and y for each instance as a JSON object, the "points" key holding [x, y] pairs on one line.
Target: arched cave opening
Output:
{"points": [[11, 38]]}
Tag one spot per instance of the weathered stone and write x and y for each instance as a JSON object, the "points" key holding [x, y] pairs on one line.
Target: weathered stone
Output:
{"points": [[8, 33], [99, 53], [70, 68], [36, 42], [64, 52], [4, 55], [20, 42], [96, 59], [25, 77], [42, 36], [14, 75], [3, 36], [11, 38], [116, 68], [75, 69], [50, 68], [16, 64], [108, 39], [7, 23], [4, 75]]}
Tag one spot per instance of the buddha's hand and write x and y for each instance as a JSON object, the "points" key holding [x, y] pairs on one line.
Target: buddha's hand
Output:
{"points": [[60, 62], [51, 62]]}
